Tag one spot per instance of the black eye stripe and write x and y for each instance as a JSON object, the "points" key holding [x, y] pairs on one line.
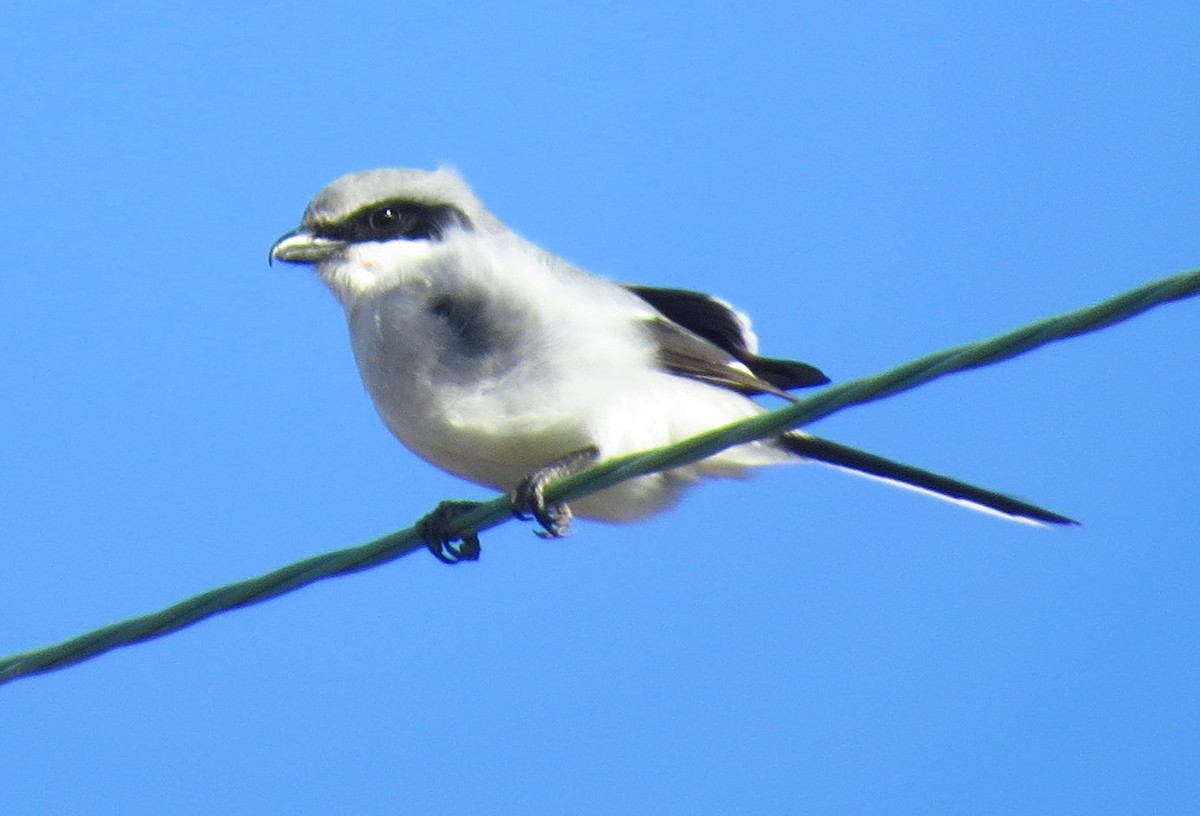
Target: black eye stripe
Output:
{"points": [[388, 220]]}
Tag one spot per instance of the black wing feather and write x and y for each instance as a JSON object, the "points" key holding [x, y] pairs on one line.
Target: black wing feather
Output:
{"points": [[683, 353], [717, 322]]}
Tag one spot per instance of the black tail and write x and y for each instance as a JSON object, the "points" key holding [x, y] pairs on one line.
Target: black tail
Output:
{"points": [[831, 453]]}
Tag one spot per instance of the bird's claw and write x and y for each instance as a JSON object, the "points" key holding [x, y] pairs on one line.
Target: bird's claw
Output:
{"points": [[433, 531], [528, 501]]}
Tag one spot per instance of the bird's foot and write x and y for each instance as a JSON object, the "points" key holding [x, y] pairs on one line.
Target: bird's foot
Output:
{"points": [[527, 500], [433, 530]]}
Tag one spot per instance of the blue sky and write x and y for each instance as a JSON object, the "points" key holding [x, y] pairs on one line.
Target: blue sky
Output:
{"points": [[870, 182]]}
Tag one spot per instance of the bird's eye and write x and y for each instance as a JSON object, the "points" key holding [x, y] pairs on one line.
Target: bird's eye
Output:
{"points": [[383, 219]]}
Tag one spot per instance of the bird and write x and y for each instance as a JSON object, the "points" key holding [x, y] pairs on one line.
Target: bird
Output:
{"points": [[506, 365]]}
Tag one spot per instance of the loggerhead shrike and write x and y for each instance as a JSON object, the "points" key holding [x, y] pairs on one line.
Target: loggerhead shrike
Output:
{"points": [[504, 364]]}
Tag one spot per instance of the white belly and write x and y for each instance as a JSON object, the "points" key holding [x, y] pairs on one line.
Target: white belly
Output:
{"points": [[495, 420]]}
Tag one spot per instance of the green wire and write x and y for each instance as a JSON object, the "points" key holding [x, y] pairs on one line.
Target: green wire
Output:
{"points": [[489, 514]]}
